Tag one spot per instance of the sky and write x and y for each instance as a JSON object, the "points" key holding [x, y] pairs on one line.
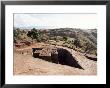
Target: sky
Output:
{"points": [[72, 20]]}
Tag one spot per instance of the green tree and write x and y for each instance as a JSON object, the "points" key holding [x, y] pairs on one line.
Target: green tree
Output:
{"points": [[77, 42], [65, 38], [34, 34], [16, 32], [89, 47]]}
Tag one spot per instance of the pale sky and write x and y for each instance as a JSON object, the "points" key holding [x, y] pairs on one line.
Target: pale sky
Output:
{"points": [[83, 21]]}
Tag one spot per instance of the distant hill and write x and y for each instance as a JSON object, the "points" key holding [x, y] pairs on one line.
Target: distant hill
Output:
{"points": [[83, 40], [87, 38], [89, 34]]}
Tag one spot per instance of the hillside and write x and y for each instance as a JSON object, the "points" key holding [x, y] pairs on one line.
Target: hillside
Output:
{"points": [[81, 46], [82, 40]]}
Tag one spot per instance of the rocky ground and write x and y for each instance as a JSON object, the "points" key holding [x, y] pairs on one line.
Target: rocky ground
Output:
{"points": [[25, 64]]}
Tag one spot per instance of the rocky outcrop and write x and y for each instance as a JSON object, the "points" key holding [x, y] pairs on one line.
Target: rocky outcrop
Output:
{"points": [[59, 55]]}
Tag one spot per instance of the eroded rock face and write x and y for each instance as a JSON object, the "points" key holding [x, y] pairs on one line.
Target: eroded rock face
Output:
{"points": [[66, 58], [54, 57], [59, 55]]}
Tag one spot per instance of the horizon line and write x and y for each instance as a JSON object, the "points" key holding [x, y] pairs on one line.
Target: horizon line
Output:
{"points": [[53, 28]]}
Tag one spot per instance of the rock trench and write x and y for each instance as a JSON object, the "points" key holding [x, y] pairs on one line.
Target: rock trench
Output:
{"points": [[56, 55]]}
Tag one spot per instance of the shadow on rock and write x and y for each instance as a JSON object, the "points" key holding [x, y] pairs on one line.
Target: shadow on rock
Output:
{"points": [[66, 58]]}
